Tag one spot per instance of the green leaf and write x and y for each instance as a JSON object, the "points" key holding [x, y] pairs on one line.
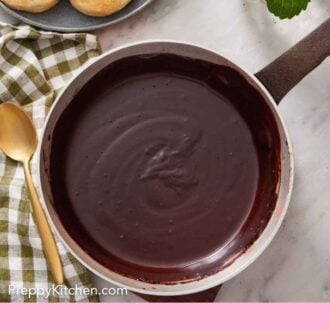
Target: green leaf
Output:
{"points": [[287, 8]]}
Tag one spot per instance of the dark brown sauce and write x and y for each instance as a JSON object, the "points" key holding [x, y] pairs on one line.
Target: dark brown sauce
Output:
{"points": [[163, 168]]}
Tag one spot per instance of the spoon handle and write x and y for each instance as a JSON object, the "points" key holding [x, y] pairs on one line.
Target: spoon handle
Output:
{"points": [[46, 235]]}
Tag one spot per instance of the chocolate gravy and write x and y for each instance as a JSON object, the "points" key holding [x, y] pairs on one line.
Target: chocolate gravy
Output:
{"points": [[165, 168]]}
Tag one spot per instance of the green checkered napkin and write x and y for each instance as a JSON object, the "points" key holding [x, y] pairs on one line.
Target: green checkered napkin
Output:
{"points": [[34, 67]]}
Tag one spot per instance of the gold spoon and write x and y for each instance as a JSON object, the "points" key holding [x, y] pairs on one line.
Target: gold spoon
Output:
{"points": [[18, 140]]}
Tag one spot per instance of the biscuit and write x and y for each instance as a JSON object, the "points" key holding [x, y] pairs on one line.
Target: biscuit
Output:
{"points": [[31, 6], [99, 7]]}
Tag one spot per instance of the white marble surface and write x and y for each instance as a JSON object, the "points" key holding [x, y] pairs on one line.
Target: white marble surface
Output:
{"points": [[296, 266]]}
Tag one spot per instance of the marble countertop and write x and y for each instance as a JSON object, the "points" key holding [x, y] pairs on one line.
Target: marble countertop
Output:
{"points": [[296, 265]]}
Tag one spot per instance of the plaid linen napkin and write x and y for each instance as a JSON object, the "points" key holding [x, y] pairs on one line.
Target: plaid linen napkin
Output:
{"points": [[34, 67]]}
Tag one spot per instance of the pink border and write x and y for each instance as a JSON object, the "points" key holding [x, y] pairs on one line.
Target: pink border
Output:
{"points": [[164, 316]]}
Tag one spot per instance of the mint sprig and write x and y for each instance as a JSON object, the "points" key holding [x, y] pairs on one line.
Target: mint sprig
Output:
{"points": [[287, 8]]}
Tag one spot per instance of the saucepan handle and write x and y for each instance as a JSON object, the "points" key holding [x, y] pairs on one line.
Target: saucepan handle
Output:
{"points": [[280, 76]]}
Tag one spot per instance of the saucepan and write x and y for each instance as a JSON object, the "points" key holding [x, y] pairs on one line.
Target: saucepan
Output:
{"points": [[271, 84]]}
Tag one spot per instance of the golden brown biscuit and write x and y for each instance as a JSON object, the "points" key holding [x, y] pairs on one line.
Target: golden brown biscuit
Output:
{"points": [[31, 6], [99, 7]]}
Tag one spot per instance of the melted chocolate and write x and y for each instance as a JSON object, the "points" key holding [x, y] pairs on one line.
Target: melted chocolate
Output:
{"points": [[165, 168]]}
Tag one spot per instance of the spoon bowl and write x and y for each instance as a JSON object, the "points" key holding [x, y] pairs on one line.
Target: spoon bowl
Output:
{"points": [[18, 138]]}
